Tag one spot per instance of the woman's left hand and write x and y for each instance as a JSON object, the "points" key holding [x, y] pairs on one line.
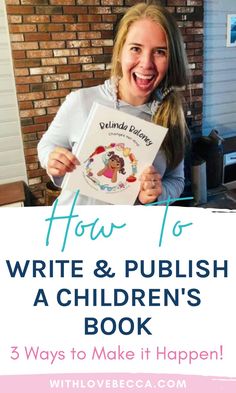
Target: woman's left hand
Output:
{"points": [[151, 186]]}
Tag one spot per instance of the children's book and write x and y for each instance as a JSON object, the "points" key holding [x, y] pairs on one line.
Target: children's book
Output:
{"points": [[113, 152]]}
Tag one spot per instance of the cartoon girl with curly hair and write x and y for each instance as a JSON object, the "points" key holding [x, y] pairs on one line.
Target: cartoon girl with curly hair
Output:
{"points": [[114, 165]]}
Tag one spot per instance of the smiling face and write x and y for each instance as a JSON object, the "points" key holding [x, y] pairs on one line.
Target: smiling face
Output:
{"points": [[114, 163], [144, 61]]}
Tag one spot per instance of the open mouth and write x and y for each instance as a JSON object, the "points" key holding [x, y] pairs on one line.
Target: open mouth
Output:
{"points": [[143, 81]]}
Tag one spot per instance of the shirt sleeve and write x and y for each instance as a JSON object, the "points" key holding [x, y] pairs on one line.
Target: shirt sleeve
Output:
{"points": [[58, 133], [173, 183]]}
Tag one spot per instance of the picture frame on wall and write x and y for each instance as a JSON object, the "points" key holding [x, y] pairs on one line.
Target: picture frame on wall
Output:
{"points": [[231, 30]]}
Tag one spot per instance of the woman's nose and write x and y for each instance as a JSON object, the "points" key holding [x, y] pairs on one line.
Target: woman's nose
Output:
{"points": [[146, 60]]}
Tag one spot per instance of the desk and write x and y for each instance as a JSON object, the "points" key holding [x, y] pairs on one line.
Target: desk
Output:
{"points": [[217, 198], [12, 194], [221, 198]]}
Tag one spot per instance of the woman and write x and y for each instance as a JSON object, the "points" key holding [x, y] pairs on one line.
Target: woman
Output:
{"points": [[149, 66]]}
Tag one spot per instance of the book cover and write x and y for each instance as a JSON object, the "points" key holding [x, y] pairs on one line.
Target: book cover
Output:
{"points": [[114, 150]]}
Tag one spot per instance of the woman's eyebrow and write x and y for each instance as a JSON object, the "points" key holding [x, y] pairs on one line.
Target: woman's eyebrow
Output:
{"points": [[161, 47], [137, 44]]}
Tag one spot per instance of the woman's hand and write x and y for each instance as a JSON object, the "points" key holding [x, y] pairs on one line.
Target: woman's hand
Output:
{"points": [[151, 186], [61, 161]]}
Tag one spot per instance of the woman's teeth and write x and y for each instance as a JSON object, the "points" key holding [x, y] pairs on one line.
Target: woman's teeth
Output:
{"points": [[145, 77]]}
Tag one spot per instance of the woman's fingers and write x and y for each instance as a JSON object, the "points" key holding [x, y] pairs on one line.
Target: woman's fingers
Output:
{"points": [[150, 186], [61, 161], [151, 174]]}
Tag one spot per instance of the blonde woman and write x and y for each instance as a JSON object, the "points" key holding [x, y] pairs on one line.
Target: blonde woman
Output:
{"points": [[149, 66]]}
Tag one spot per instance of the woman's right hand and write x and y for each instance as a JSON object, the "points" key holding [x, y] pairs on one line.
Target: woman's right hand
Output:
{"points": [[61, 161]]}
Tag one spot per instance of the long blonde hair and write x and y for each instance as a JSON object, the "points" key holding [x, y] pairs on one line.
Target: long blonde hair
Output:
{"points": [[170, 113]]}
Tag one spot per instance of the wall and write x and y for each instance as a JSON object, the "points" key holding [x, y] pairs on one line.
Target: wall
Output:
{"points": [[61, 45], [219, 70], [12, 162]]}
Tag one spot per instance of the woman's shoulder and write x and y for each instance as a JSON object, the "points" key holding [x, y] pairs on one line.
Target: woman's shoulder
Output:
{"points": [[87, 95], [78, 103], [84, 93]]}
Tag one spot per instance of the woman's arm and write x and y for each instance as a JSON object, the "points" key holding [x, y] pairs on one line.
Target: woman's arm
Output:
{"points": [[54, 149], [172, 183]]}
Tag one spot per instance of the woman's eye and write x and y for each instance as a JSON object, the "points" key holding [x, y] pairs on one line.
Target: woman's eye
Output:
{"points": [[135, 49], [160, 52]]}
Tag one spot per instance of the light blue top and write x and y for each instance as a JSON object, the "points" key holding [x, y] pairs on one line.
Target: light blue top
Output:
{"points": [[66, 130]]}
